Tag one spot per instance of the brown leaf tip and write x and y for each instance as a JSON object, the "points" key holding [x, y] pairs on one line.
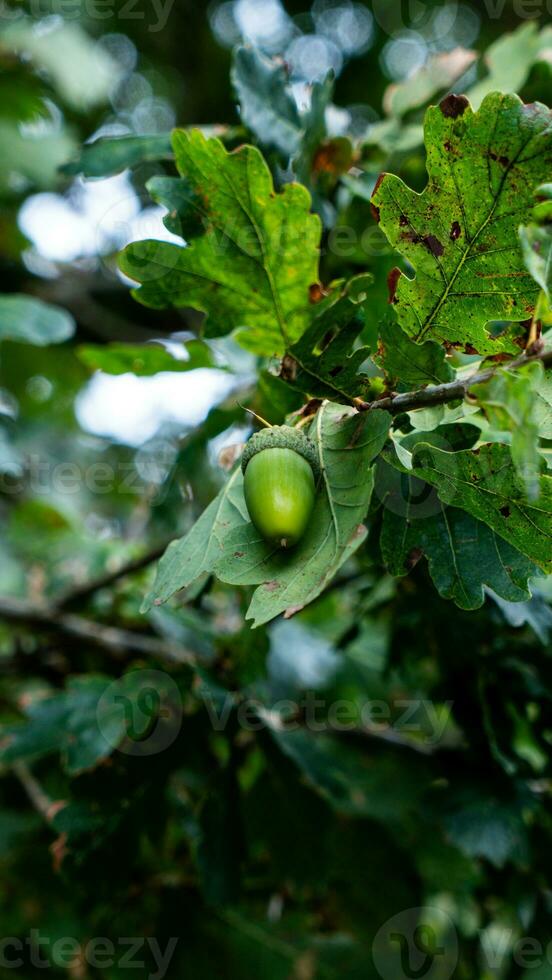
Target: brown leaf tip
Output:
{"points": [[454, 106]]}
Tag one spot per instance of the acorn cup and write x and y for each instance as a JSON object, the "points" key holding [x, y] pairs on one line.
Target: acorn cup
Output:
{"points": [[280, 467]]}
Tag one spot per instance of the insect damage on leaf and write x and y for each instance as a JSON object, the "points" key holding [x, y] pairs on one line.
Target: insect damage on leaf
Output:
{"points": [[324, 361], [460, 234]]}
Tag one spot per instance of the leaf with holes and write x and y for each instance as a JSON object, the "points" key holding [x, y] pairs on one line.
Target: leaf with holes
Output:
{"points": [[460, 234], [323, 362], [251, 269], [406, 364]]}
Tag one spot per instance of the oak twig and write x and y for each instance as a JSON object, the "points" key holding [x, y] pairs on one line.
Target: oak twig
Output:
{"points": [[449, 392], [84, 591], [39, 799], [119, 642]]}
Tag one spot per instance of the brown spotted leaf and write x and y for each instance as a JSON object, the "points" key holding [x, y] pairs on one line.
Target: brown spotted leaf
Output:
{"points": [[460, 234]]}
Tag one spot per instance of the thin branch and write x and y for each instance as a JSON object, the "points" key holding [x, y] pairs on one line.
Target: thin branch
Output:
{"points": [[390, 735], [82, 592], [449, 392], [39, 799], [119, 642]]}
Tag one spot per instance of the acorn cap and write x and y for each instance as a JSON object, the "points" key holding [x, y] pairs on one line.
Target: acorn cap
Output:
{"points": [[282, 437]]}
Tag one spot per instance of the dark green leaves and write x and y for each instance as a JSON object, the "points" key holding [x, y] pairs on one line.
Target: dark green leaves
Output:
{"points": [[484, 484], [269, 110], [460, 234], [224, 542], [322, 362], [463, 554], [29, 321], [68, 723], [352, 781], [408, 365], [252, 267], [108, 156]]}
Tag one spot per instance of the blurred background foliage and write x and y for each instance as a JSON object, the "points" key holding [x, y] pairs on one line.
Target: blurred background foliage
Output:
{"points": [[275, 851]]}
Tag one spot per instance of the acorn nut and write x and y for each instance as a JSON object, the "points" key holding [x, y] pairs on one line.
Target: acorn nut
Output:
{"points": [[280, 467]]}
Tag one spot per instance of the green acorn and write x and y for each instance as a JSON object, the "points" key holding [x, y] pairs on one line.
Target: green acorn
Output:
{"points": [[280, 467]]}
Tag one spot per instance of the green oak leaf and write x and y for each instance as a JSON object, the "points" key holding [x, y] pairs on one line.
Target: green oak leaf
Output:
{"points": [[224, 542], [463, 554], [509, 401], [251, 269], [183, 216], [510, 59], [30, 321], [460, 234], [66, 723], [407, 365], [144, 359], [189, 557], [110, 155], [323, 362], [85, 722], [350, 779], [269, 110], [484, 483], [267, 105], [437, 74], [536, 244]]}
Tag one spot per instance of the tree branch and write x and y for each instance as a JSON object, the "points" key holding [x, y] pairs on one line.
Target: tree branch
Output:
{"points": [[42, 803], [81, 592], [119, 642], [449, 392]]}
